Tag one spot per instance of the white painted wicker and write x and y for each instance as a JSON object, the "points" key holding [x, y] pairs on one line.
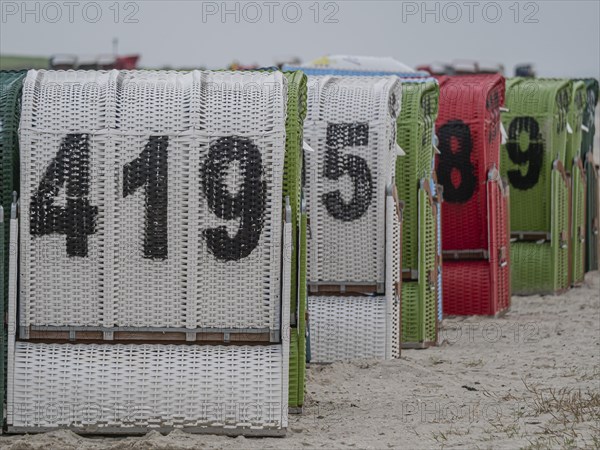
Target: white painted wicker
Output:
{"points": [[115, 388], [151, 201], [12, 303], [128, 120], [351, 125], [344, 328], [350, 327], [393, 269], [354, 221], [58, 385]]}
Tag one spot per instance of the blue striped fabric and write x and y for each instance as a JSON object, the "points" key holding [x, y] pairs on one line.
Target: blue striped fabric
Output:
{"points": [[316, 71]]}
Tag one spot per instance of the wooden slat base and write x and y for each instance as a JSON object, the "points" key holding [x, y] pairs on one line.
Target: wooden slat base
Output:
{"points": [[451, 255], [146, 337], [530, 235], [337, 289]]}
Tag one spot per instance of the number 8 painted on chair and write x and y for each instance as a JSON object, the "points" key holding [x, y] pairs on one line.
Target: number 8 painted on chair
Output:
{"points": [[459, 160]]}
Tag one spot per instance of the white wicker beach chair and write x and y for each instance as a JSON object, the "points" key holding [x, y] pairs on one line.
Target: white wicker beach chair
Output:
{"points": [[153, 231], [354, 243]]}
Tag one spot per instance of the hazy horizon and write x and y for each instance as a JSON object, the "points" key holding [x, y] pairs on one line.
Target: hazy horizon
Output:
{"points": [[559, 38]]}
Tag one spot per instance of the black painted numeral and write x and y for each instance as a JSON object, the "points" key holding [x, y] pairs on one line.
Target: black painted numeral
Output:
{"points": [[343, 135], [150, 169], [77, 219], [460, 160], [533, 156], [248, 204]]}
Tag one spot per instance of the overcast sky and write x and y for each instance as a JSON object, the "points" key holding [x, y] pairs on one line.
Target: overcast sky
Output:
{"points": [[561, 38]]}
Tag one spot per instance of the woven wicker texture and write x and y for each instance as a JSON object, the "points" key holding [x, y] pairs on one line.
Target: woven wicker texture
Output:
{"points": [[11, 318], [578, 183], [589, 116], [537, 135], [437, 191], [577, 109], [419, 298], [560, 229], [344, 328], [592, 201], [414, 135], [416, 329], [468, 129], [468, 288], [415, 132], [147, 386], [104, 388], [347, 327], [292, 188], [205, 234], [396, 245], [351, 125], [292, 180], [298, 332], [416, 121], [592, 215], [393, 277], [500, 257], [543, 267], [532, 270], [537, 129], [577, 244], [482, 287]]}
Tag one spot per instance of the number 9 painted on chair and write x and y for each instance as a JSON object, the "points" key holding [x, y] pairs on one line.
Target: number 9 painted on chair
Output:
{"points": [[532, 156]]}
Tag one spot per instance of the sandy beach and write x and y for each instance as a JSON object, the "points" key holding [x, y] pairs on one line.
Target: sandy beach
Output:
{"points": [[527, 380]]}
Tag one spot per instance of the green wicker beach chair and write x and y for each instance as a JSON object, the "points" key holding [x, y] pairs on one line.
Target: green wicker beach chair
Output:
{"points": [[577, 249], [10, 93], [543, 267], [419, 297], [589, 116], [296, 111], [415, 132], [533, 160], [575, 117], [592, 214], [419, 234], [575, 168], [591, 171]]}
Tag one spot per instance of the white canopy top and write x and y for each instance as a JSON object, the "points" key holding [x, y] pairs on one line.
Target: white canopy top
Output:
{"points": [[366, 63]]}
